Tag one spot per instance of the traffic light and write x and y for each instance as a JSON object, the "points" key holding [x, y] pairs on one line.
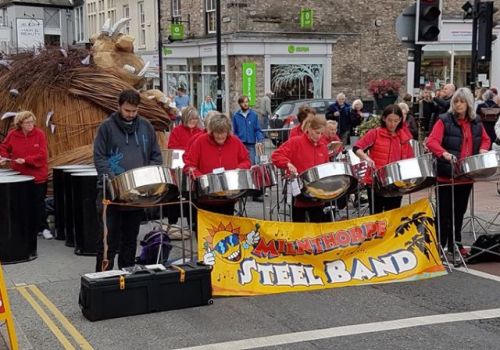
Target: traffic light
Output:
{"points": [[429, 16], [485, 27]]}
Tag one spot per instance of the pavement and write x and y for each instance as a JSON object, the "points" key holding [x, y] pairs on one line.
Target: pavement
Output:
{"points": [[460, 310]]}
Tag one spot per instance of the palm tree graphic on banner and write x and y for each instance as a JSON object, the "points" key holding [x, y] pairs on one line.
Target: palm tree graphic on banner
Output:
{"points": [[423, 238]]}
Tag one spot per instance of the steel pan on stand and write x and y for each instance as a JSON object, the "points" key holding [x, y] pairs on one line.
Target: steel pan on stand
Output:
{"points": [[264, 176], [143, 186], [230, 184], [58, 184], [480, 167], [328, 181], [18, 236], [9, 172], [406, 176], [85, 221]]}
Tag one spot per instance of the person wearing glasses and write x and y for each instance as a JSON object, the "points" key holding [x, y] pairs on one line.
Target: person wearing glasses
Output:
{"points": [[25, 147]]}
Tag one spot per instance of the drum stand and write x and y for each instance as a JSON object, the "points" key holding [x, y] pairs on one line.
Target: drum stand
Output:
{"points": [[472, 218], [456, 262]]}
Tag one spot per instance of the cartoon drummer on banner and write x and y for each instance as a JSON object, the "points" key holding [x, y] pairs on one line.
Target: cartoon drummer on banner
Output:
{"points": [[227, 243]]}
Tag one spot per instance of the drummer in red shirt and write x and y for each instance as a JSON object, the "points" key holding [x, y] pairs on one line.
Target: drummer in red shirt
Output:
{"points": [[217, 149], [456, 135], [386, 144], [26, 148], [304, 113], [299, 154], [187, 130]]}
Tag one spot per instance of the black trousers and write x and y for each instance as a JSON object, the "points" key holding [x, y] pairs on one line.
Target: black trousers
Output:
{"points": [[40, 192], [222, 208], [315, 213], [123, 228], [462, 193], [383, 203]]}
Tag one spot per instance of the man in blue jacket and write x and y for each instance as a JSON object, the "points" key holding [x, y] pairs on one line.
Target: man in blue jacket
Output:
{"points": [[124, 141], [246, 127]]}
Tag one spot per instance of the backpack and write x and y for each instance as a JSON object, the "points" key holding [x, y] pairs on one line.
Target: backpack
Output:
{"points": [[152, 242], [478, 251]]}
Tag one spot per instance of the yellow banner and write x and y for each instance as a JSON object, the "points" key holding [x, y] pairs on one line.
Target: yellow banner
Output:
{"points": [[252, 257]]}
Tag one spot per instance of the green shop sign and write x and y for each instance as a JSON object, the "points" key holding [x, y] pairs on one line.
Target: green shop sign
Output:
{"points": [[297, 49], [167, 51], [177, 31], [249, 82], [306, 18]]}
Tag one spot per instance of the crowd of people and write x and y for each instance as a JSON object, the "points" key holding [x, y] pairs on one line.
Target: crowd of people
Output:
{"points": [[212, 141]]}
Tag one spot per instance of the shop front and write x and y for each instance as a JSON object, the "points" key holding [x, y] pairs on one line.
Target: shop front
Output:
{"points": [[449, 60], [292, 69]]}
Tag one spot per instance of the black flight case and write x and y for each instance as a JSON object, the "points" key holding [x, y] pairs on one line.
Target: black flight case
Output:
{"points": [[146, 291]]}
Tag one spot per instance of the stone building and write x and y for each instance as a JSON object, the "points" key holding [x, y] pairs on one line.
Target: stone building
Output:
{"points": [[349, 44]]}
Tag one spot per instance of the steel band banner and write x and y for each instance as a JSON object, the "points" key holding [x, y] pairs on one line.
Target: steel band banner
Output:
{"points": [[252, 257], [249, 88]]}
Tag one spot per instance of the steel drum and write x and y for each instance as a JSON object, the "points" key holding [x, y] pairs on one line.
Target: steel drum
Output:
{"points": [[18, 233], [59, 206], [334, 147], [328, 181], [480, 167], [69, 202], [406, 176], [145, 185], [229, 184], [359, 167], [172, 159], [85, 221], [418, 148], [9, 172], [264, 175]]}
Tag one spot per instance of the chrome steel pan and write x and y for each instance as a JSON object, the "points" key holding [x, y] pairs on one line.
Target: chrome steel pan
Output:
{"points": [[418, 148], [406, 176], [172, 158], [145, 185], [328, 181], [481, 167], [264, 175], [230, 184]]}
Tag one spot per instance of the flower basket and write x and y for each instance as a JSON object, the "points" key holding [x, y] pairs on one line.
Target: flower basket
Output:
{"points": [[372, 122], [385, 91]]}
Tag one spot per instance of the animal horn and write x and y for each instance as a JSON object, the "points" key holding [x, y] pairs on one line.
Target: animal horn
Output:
{"points": [[119, 25], [106, 27]]}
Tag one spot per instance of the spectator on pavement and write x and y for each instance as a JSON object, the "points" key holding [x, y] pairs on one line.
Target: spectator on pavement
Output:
{"points": [[181, 99], [442, 103], [409, 121], [265, 109], [246, 127], [206, 106], [341, 112]]}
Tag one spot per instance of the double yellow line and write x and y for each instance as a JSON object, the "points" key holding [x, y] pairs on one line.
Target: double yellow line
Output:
{"points": [[31, 293]]}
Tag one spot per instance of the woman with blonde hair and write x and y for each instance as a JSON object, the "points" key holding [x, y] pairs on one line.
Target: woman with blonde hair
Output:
{"points": [[456, 135], [26, 149], [188, 129]]}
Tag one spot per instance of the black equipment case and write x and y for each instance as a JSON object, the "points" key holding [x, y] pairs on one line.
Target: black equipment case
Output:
{"points": [[146, 291]]}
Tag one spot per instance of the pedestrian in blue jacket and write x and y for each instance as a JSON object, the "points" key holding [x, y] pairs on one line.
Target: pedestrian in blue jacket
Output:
{"points": [[246, 127]]}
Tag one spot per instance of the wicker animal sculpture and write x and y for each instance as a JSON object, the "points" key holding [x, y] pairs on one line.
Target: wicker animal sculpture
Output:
{"points": [[72, 92]]}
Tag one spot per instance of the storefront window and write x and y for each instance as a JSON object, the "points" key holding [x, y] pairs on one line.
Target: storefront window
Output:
{"points": [[297, 81]]}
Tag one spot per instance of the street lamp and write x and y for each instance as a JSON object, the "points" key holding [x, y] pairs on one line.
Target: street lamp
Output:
{"points": [[219, 58]]}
